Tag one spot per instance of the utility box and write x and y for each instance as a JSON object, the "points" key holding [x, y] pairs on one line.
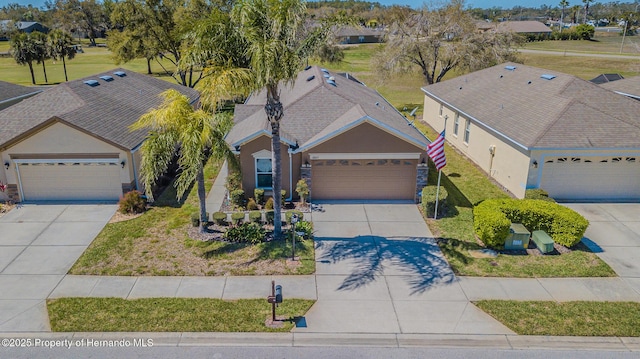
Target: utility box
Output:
{"points": [[518, 237], [543, 241]]}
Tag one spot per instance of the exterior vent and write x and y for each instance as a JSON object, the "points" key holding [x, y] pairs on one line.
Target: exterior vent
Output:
{"points": [[92, 83], [510, 68], [332, 83], [548, 77], [325, 71], [311, 78], [107, 78], [307, 68], [326, 76], [120, 73]]}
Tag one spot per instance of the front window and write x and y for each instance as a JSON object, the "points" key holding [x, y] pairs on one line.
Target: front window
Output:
{"points": [[456, 123], [467, 129], [263, 173]]}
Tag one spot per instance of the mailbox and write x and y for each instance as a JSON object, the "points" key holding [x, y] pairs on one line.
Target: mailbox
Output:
{"points": [[278, 294]]}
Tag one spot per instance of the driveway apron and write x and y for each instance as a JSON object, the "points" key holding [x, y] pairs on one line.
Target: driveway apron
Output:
{"points": [[39, 244], [379, 270]]}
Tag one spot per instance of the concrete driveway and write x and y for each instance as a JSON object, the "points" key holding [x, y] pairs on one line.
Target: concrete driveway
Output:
{"points": [[378, 270], [38, 245]]}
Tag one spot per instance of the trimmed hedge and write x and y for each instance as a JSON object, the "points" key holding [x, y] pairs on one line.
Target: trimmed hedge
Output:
{"points": [[237, 218], [289, 214], [220, 218], [429, 200], [492, 218], [538, 193], [255, 216]]}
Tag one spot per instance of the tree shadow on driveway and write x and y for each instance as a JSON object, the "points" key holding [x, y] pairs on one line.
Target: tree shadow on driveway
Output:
{"points": [[417, 259]]}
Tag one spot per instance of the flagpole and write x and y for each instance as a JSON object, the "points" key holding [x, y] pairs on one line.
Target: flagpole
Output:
{"points": [[435, 212]]}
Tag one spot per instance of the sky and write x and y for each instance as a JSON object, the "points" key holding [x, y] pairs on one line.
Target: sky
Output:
{"points": [[506, 4]]}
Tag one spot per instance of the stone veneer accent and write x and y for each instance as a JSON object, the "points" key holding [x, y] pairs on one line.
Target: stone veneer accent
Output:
{"points": [[12, 192], [305, 174], [421, 179]]}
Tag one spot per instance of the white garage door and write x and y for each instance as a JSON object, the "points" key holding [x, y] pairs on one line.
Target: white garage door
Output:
{"points": [[592, 178], [70, 181], [363, 179]]}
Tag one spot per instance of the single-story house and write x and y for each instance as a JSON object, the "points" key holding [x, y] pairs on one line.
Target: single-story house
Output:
{"points": [[11, 94], [524, 27], [22, 26], [629, 87], [528, 127], [344, 138], [72, 141], [604, 78], [358, 35]]}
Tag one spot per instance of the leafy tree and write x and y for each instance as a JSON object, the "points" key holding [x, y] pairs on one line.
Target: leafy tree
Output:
{"points": [[585, 32], [199, 136], [60, 46], [330, 53], [440, 40], [23, 49], [83, 15]]}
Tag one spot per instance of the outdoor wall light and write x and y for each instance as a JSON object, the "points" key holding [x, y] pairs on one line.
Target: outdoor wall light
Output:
{"points": [[122, 164], [535, 164], [6, 165]]}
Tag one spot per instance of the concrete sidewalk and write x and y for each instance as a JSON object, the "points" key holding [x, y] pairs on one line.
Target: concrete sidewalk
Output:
{"points": [[218, 192]]}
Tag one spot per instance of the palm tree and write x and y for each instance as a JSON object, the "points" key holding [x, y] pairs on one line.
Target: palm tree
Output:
{"points": [[586, 9], [564, 4], [41, 47], [198, 135], [60, 45], [24, 52]]}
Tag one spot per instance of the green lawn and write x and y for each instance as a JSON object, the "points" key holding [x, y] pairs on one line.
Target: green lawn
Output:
{"points": [[602, 43], [602, 319], [585, 68], [170, 315]]}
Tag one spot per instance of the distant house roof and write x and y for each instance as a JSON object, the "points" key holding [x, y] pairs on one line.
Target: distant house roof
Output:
{"points": [[604, 78], [315, 110], [629, 87], [537, 108], [357, 31], [523, 27], [103, 108], [12, 92], [24, 26]]}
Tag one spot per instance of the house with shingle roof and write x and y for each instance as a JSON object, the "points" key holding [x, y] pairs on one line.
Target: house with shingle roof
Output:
{"points": [[629, 87], [341, 136], [528, 127], [10, 94], [72, 141]]}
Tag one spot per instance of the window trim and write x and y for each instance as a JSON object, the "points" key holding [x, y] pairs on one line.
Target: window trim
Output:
{"points": [[456, 124], [467, 131]]}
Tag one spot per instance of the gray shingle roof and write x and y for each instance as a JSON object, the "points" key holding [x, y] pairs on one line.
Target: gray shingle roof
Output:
{"points": [[628, 87], [523, 27], [314, 109], [106, 110], [565, 112], [9, 91]]}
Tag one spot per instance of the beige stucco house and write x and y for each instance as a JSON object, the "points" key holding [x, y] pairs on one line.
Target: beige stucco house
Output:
{"points": [[72, 142], [344, 138], [533, 128]]}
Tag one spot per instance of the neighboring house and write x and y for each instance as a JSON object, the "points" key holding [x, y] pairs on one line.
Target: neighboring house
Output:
{"points": [[629, 87], [22, 26], [344, 138], [10, 94], [72, 141], [526, 28], [358, 35], [533, 128], [604, 78]]}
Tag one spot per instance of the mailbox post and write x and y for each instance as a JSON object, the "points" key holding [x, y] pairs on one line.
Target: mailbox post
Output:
{"points": [[294, 220], [275, 298]]}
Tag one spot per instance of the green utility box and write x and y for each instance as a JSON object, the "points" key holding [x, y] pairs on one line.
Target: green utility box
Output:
{"points": [[518, 237], [542, 241]]}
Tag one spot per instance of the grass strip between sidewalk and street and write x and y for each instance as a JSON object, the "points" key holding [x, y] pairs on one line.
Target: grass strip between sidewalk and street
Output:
{"points": [[170, 314], [602, 319]]}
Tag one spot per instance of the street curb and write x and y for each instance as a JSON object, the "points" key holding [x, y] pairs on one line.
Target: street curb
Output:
{"points": [[387, 340]]}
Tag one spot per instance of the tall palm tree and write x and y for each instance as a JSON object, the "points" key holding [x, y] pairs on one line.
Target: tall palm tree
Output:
{"points": [[271, 29], [60, 45], [198, 135], [563, 4], [24, 52], [586, 9], [41, 46]]}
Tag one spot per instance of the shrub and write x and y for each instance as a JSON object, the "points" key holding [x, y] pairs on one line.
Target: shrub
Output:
{"points": [[258, 194], [302, 188], [195, 219], [429, 201], [538, 193], [233, 181], [132, 202], [289, 214], [269, 204], [306, 227], [563, 224], [245, 233], [252, 205], [237, 197], [237, 218], [220, 218], [269, 216], [283, 196], [255, 216]]}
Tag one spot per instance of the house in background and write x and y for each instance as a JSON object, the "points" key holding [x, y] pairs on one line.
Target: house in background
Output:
{"points": [[7, 26], [342, 137], [629, 87], [524, 28], [72, 141], [11, 94], [358, 35], [533, 128]]}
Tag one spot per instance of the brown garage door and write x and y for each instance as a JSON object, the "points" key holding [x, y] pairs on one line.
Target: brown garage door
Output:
{"points": [[363, 179]]}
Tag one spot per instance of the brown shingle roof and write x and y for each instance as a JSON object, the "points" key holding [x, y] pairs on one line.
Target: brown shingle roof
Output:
{"points": [[523, 27], [565, 112], [628, 87], [9, 91], [106, 110], [315, 109]]}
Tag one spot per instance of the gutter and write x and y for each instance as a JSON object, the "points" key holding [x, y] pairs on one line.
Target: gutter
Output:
{"points": [[290, 177]]}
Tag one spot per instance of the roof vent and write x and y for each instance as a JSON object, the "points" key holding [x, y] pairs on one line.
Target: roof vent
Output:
{"points": [[107, 78], [501, 76], [332, 83], [311, 78], [510, 68], [92, 83], [307, 68], [326, 76], [325, 71], [547, 76], [120, 73], [529, 83]]}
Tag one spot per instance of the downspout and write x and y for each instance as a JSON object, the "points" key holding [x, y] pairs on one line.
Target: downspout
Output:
{"points": [[290, 178], [133, 166]]}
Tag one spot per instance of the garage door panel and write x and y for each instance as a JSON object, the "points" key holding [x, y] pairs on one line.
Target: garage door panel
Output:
{"points": [[70, 181]]}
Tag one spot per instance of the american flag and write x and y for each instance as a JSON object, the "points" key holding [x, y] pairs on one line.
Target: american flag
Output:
{"points": [[435, 150]]}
